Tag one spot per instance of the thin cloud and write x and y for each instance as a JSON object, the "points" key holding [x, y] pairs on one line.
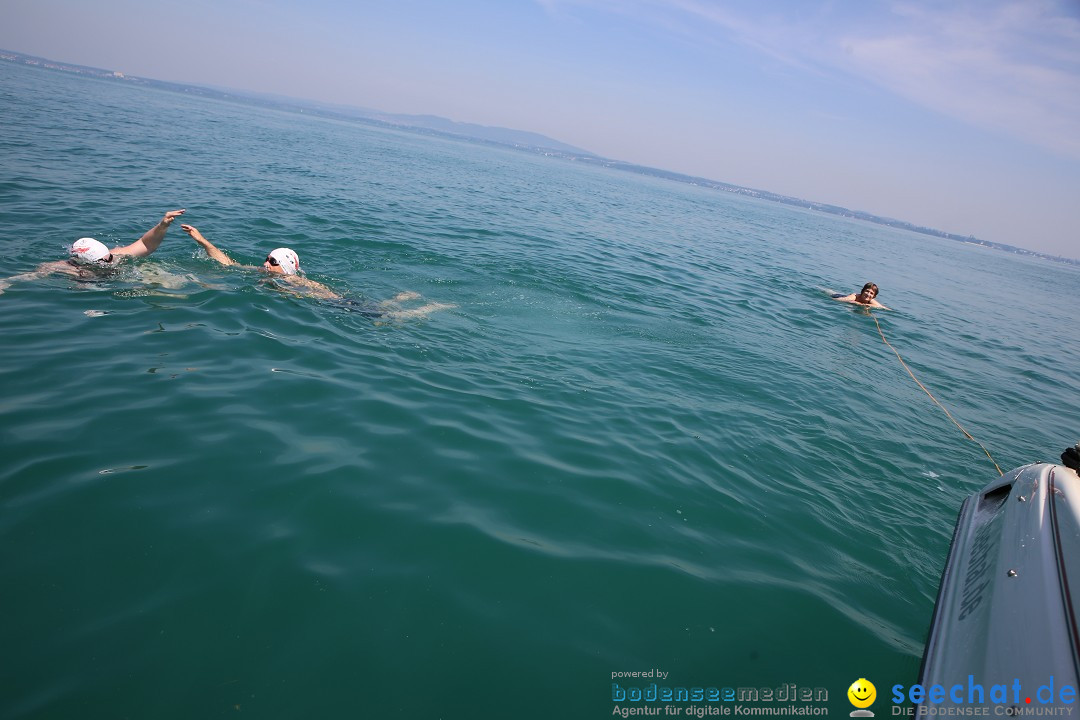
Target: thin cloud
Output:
{"points": [[1012, 68], [1009, 66]]}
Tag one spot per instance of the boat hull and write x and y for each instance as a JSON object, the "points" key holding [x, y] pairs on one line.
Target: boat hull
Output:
{"points": [[1006, 613]]}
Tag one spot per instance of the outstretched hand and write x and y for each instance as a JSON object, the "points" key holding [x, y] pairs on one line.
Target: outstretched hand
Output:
{"points": [[170, 216], [208, 246], [193, 232]]}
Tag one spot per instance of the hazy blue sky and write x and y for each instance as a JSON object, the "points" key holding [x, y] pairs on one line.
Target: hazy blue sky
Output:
{"points": [[964, 116]]}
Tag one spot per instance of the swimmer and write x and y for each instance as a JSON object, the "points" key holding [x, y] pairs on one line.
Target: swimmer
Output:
{"points": [[866, 297], [284, 265], [88, 257], [281, 262]]}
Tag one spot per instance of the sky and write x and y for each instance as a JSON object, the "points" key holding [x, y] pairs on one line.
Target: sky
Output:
{"points": [[961, 115]]}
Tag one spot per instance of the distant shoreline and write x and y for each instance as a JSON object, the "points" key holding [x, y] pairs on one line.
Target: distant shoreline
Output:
{"points": [[501, 137]]}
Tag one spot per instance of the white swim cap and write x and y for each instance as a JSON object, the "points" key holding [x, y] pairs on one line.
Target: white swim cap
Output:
{"points": [[286, 259], [89, 250]]}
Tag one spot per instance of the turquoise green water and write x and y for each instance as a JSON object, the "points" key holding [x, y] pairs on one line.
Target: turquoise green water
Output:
{"points": [[644, 438]]}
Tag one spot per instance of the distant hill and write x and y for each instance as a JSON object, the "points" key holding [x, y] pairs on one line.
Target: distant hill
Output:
{"points": [[519, 139], [433, 123], [504, 136], [430, 123], [819, 207]]}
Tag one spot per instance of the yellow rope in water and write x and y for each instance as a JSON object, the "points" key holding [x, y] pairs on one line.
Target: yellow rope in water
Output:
{"points": [[966, 433]]}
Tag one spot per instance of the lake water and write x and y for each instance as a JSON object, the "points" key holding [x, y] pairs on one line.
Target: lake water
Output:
{"points": [[645, 438]]}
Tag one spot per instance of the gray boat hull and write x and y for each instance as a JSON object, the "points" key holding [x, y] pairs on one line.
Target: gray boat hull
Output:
{"points": [[1007, 609]]}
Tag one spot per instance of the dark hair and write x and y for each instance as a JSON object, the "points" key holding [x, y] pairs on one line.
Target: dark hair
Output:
{"points": [[870, 286]]}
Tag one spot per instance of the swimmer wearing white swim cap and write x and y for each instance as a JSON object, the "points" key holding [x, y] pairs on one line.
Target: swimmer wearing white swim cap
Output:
{"points": [[281, 261], [87, 253], [284, 265]]}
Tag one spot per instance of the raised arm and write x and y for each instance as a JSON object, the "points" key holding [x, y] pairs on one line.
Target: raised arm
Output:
{"points": [[150, 240], [208, 246]]}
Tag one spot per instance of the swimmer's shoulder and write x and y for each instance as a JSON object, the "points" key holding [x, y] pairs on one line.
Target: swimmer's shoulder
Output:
{"points": [[312, 288]]}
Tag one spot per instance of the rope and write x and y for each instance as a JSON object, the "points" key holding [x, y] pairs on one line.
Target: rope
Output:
{"points": [[966, 433]]}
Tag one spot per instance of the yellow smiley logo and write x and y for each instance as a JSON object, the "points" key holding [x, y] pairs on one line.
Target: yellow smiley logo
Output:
{"points": [[862, 693]]}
